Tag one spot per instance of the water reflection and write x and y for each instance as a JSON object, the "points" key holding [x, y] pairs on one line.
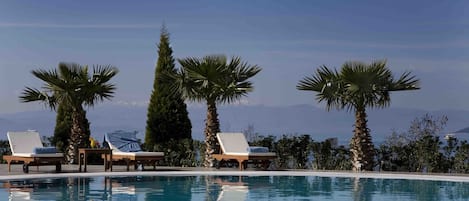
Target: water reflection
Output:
{"points": [[53, 189], [367, 189], [151, 188], [231, 188], [211, 188]]}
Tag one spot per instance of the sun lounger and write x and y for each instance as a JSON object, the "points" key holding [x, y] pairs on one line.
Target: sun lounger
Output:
{"points": [[234, 146], [26, 147], [125, 147]]}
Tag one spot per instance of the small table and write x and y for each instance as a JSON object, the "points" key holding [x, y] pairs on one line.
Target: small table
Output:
{"points": [[83, 155]]}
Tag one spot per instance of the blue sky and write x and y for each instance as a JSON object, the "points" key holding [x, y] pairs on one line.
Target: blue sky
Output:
{"points": [[288, 39]]}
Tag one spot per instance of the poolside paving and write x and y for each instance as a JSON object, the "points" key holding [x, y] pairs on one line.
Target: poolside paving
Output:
{"points": [[120, 170], [17, 169]]}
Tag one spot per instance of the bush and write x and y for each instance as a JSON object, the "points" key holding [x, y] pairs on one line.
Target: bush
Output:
{"points": [[179, 153], [328, 157]]}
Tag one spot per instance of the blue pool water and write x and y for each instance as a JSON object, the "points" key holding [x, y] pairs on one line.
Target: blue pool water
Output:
{"points": [[185, 188]]}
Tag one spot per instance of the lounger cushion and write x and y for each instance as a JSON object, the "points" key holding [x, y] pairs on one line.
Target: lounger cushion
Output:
{"points": [[258, 150], [44, 150], [142, 153], [39, 155], [131, 145], [123, 141], [23, 142], [233, 143]]}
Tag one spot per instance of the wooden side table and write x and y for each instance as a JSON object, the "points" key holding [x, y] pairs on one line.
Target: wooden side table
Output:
{"points": [[83, 155]]}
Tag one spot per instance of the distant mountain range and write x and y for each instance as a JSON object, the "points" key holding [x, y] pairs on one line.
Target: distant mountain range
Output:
{"points": [[265, 120]]}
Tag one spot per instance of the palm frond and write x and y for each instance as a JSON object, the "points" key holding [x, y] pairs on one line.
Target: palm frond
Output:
{"points": [[327, 84], [31, 95], [406, 82], [212, 78], [357, 86], [71, 85]]}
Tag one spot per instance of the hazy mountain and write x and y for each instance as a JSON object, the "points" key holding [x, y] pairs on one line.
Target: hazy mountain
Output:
{"points": [[266, 120]]}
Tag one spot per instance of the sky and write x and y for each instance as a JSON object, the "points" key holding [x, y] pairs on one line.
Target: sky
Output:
{"points": [[287, 39]]}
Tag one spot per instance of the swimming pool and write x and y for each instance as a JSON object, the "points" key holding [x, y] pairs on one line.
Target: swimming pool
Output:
{"points": [[229, 187]]}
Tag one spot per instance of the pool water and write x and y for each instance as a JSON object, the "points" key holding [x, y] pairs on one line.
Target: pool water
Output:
{"points": [[182, 188]]}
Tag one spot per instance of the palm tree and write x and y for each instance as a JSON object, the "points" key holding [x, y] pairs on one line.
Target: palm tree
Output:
{"points": [[213, 80], [72, 86], [356, 87]]}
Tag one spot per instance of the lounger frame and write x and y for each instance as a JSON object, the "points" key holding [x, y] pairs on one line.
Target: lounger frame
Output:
{"points": [[243, 161], [34, 161], [135, 160]]}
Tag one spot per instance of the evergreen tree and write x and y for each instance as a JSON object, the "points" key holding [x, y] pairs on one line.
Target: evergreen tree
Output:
{"points": [[63, 125], [167, 116]]}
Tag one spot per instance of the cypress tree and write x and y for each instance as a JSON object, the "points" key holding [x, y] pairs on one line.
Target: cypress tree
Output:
{"points": [[63, 126], [167, 117]]}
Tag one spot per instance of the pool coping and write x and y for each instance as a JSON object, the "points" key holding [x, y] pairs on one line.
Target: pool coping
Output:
{"points": [[374, 175]]}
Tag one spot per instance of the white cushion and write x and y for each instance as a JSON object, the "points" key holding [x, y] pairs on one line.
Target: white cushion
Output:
{"points": [[23, 142], [39, 155], [140, 153], [233, 143]]}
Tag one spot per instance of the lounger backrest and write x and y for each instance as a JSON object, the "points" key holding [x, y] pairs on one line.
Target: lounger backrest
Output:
{"points": [[233, 143], [24, 142], [122, 141]]}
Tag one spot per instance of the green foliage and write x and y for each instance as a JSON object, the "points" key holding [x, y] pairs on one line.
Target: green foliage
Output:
{"points": [[264, 141], [167, 117], [322, 153], [461, 158], [328, 157], [214, 79], [179, 153], [71, 84], [341, 156], [420, 149], [200, 148], [449, 151], [4, 149], [292, 151], [357, 85], [296, 152]]}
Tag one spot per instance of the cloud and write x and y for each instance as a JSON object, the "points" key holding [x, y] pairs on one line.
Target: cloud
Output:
{"points": [[134, 103], [131, 103], [80, 26], [370, 44]]}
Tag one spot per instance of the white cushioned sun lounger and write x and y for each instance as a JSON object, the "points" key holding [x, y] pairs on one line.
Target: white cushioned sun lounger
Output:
{"points": [[234, 146], [23, 146], [125, 146]]}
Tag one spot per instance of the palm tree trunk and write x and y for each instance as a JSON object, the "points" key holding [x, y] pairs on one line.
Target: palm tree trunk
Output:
{"points": [[212, 127], [361, 146], [79, 138]]}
